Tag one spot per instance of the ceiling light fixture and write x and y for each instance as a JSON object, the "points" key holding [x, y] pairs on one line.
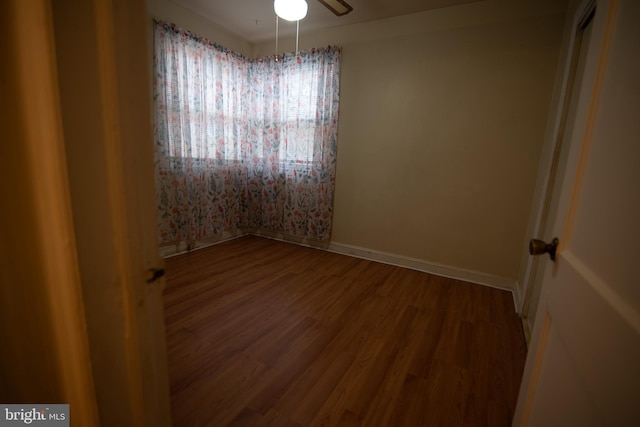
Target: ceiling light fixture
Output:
{"points": [[291, 10]]}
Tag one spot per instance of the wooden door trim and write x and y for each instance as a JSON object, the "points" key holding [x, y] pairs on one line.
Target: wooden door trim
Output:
{"points": [[143, 350], [125, 144], [37, 120], [128, 286]]}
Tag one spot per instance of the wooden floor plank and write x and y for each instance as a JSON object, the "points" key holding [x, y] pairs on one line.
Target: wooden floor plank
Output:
{"points": [[266, 333]]}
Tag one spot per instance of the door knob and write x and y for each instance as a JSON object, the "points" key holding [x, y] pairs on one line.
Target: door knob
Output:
{"points": [[538, 247]]}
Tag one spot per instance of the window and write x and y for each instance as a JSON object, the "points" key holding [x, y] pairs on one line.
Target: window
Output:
{"points": [[227, 107]]}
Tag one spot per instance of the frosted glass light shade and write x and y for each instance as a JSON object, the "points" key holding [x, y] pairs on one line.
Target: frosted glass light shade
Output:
{"points": [[291, 10]]}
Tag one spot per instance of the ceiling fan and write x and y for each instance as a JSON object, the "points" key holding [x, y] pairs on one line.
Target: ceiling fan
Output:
{"points": [[339, 7], [294, 10]]}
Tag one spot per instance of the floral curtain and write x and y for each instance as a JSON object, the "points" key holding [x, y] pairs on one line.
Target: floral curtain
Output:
{"points": [[243, 144]]}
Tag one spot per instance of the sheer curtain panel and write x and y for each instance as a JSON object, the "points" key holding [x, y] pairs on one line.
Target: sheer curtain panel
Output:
{"points": [[243, 144]]}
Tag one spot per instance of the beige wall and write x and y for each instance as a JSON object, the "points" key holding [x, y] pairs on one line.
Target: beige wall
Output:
{"points": [[184, 18], [442, 120]]}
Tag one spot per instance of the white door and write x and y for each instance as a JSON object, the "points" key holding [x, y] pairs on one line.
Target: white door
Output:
{"points": [[583, 366]]}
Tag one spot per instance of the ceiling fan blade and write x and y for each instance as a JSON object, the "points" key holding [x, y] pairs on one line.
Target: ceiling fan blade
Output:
{"points": [[339, 7]]}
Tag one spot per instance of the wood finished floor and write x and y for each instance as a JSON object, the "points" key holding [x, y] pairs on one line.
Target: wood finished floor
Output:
{"points": [[265, 333]]}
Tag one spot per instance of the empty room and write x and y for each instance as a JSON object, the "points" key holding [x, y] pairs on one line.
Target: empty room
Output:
{"points": [[367, 273], [321, 212]]}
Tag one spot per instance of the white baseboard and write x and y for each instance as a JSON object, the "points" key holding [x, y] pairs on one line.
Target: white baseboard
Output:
{"points": [[517, 298], [424, 266], [168, 251], [386, 258]]}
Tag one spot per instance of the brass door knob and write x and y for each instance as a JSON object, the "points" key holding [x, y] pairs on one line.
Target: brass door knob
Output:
{"points": [[539, 247]]}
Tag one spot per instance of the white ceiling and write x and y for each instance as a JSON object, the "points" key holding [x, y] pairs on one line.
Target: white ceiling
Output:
{"points": [[254, 20]]}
